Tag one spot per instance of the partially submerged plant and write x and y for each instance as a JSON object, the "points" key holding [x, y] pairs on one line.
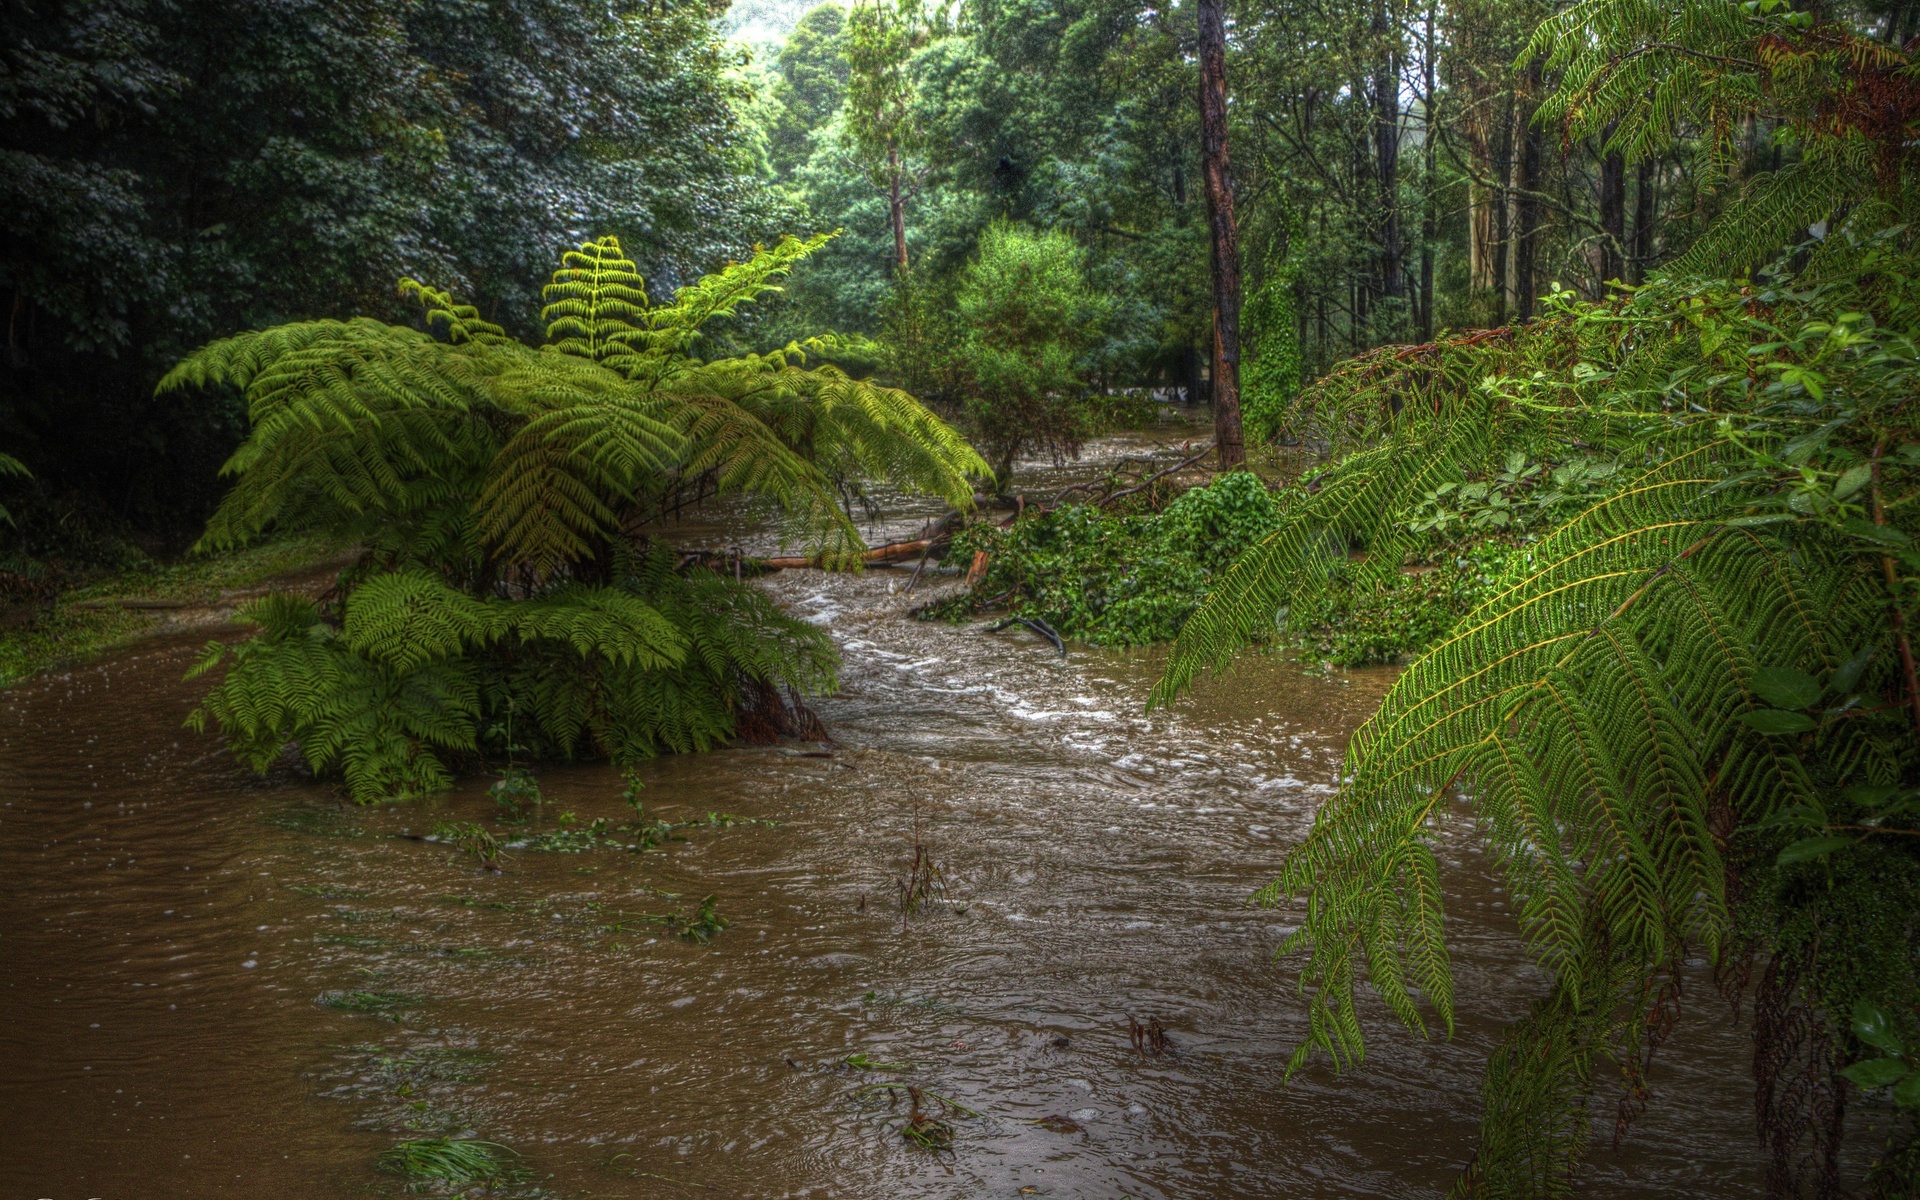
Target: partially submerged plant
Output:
{"points": [[471, 839], [861, 1061], [515, 791], [447, 1163], [924, 885], [701, 925], [1150, 1038], [921, 1128], [385, 1005]]}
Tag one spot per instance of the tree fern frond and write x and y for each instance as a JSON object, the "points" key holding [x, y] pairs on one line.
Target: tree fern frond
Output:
{"points": [[450, 319], [604, 623], [1609, 712], [407, 619], [597, 304], [673, 327]]}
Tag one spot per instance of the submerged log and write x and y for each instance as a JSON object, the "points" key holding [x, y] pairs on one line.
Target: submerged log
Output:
{"points": [[737, 563], [891, 552]]}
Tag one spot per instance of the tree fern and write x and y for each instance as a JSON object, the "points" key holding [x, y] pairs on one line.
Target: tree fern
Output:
{"points": [[597, 304], [1681, 674], [1648, 73], [512, 590]]}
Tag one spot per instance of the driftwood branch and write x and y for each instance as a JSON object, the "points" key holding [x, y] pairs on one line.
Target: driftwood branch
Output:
{"points": [[1150, 480], [1143, 485], [1038, 626]]}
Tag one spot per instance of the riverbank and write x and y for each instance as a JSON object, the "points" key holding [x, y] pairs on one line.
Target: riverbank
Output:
{"points": [[109, 611]]}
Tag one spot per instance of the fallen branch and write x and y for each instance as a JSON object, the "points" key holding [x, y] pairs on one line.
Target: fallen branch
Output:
{"points": [[1150, 480], [1038, 626], [925, 559], [891, 552]]}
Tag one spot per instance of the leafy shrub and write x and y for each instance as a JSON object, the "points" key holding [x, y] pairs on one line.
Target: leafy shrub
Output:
{"points": [[1116, 580]]}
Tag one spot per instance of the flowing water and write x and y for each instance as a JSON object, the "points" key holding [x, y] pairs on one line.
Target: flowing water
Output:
{"points": [[216, 985]]}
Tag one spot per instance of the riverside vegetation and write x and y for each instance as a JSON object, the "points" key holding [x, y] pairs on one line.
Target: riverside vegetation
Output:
{"points": [[1645, 543], [512, 595]]}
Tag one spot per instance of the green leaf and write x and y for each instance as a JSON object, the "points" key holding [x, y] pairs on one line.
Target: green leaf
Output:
{"points": [[1813, 847], [1877, 1072], [1873, 1025], [1848, 673], [1773, 721], [1852, 480], [1885, 535], [1784, 687], [1870, 797], [1796, 817], [1907, 1092]]}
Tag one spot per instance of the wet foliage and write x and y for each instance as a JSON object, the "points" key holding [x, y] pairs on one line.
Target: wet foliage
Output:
{"points": [[1113, 580]]}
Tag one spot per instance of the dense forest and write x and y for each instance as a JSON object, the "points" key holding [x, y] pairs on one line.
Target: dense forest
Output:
{"points": [[1563, 355]]}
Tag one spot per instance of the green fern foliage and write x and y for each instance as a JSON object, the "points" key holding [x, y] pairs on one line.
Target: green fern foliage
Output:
{"points": [[11, 466], [1715, 652], [515, 591], [1649, 75], [596, 304]]}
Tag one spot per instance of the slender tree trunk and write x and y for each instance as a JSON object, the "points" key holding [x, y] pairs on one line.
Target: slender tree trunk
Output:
{"points": [[1480, 110], [1640, 251], [1429, 210], [1500, 211], [896, 206], [1386, 152], [1218, 174], [1613, 216], [1523, 204]]}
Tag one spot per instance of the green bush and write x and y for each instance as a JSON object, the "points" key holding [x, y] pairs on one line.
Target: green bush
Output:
{"points": [[1116, 580], [1031, 319]]}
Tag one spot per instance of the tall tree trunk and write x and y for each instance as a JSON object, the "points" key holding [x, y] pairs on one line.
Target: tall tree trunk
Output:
{"points": [[1613, 215], [896, 206], [1523, 204], [1386, 151], [1218, 174], [1480, 107], [1640, 250], [1429, 205], [1500, 210]]}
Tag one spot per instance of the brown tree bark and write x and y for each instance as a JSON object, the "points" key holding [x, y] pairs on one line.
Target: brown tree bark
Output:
{"points": [[1523, 202], [1613, 217], [1640, 251], [1386, 152], [896, 206], [1217, 173]]}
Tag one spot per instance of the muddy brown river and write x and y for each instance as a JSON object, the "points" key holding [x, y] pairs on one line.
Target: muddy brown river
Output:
{"points": [[217, 985]]}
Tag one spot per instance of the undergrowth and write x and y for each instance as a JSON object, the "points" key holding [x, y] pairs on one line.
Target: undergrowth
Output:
{"points": [[78, 615], [1132, 579]]}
